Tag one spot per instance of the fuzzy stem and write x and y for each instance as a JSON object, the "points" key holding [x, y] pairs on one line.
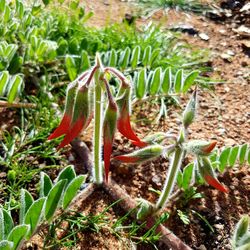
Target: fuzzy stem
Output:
{"points": [[170, 181], [5, 104], [98, 172]]}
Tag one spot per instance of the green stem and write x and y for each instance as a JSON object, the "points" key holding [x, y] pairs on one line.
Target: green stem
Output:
{"points": [[170, 181], [98, 171]]}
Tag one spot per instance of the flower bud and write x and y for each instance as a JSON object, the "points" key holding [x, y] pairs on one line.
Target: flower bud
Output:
{"points": [[190, 110], [81, 115], [68, 112], [109, 128], [200, 148], [123, 122], [142, 155], [145, 209], [207, 173], [152, 139]]}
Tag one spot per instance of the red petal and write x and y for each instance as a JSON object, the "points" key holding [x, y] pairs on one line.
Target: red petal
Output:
{"points": [[140, 144], [72, 133], [210, 147], [126, 159], [62, 128], [215, 183], [124, 127]]}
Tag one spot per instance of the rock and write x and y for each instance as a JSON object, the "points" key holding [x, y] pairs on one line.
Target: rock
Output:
{"points": [[229, 142], [243, 31], [221, 131], [204, 36], [185, 29], [226, 57], [245, 8], [202, 247], [219, 226], [156, 180]]}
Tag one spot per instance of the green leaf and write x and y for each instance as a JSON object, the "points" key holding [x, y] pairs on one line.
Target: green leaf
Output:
{"points": [[62, 46], [85, 63], [124, 59], [6, 245], [233, 155], [187, 175], [34, 214], [7, 12], [166, 82], [2, 5], [14, 88], [8, 223], [243, 151], [146, 55], [67, 173], [72, 189], [46, 2], [178, 82], [74, 4], [179, 179], [45, 184], [26, 201], [135, 57], [224, 159], [248, 157], [20, 9], [15, 64], [155, 82], [18, 234], [153, 56], [53, 199], [112, 58], [1, 225], [41, 49], [189, 81], [4, 79], [141, 84], [10, 52], [71, 67], [241, 229], [73, 46]]}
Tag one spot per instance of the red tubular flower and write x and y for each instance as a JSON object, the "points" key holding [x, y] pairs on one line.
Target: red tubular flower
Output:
{"points": [[127, 158], [199, 147], [208, 149], [81, 116], [123, 122], [215, 183], [141, 155], [109, 128], [69, 105], [207, 172]]}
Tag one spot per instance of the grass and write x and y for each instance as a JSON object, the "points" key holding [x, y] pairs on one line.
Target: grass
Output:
{"points": [[77, 224]]}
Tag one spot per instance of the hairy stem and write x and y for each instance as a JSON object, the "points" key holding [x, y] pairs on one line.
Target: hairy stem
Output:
{"points": [[170, 181], [98, 171], [5, 104]]}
